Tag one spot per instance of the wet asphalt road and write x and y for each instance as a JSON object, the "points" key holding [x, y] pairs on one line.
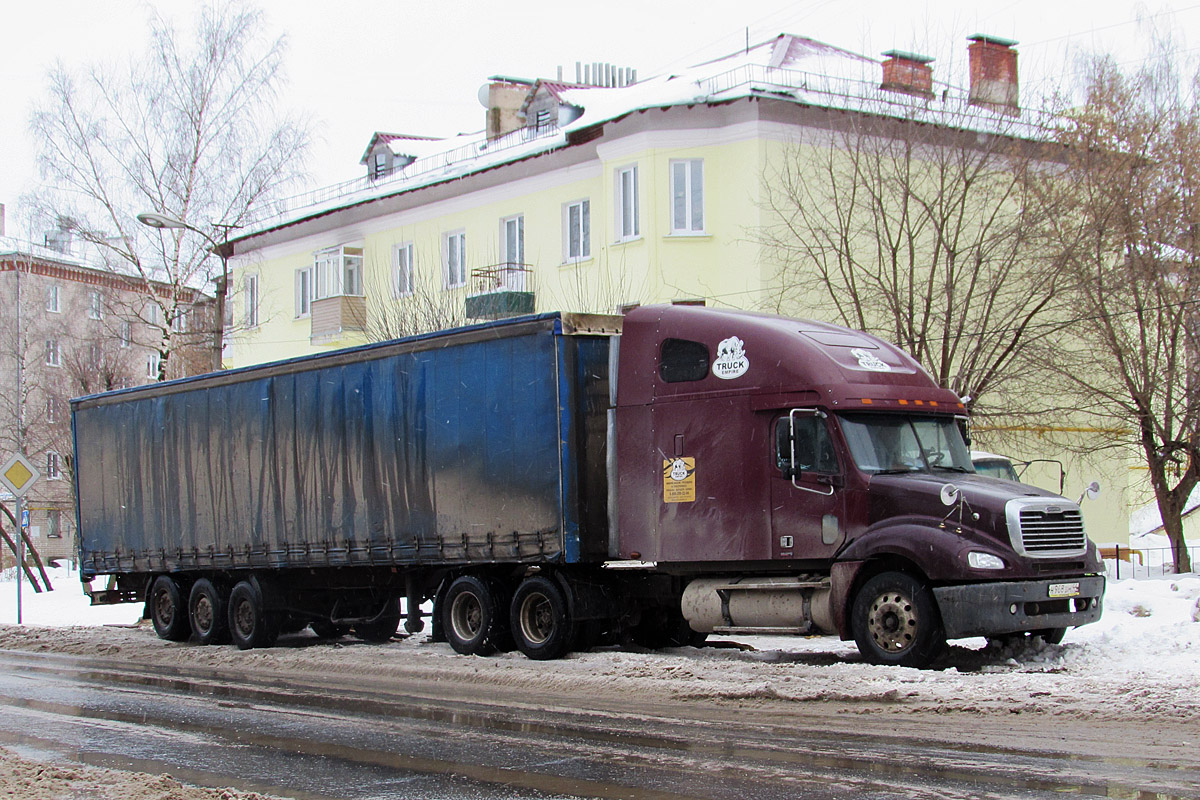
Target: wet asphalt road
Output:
{"points": [[311, 738]]}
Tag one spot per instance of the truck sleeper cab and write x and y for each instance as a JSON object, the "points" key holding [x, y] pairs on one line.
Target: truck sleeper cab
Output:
{"points": [[830, 491]]}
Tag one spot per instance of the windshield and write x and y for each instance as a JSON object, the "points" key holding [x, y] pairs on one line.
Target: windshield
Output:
{"points": [[894, 443]]}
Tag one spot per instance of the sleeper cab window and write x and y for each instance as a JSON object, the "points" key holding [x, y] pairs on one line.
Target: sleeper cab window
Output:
{"points": [[813, 447], [683, 360]]}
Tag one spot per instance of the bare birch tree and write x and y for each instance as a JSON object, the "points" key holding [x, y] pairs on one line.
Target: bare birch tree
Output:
{"points": [[924, 233], [189, 129], [1129, 246]]}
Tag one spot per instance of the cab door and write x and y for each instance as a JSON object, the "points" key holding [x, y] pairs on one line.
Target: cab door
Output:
{"points": [[808, 514]]}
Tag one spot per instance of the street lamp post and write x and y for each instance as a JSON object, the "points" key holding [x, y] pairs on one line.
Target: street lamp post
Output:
{"points": [[162, 222]]}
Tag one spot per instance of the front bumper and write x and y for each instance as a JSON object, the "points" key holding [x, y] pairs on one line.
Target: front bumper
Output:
{"points": [[993, 609]]}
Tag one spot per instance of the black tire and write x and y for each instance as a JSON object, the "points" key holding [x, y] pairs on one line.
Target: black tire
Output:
{"points": [[208, 613], [383, 627], [324, 629], [474, 617], [168, 612], [896, 622], [1051, 635], [250, 624], [541, 622]]}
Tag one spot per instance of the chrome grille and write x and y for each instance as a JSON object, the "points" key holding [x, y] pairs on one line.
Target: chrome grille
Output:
{"points": [[1046, 528]]}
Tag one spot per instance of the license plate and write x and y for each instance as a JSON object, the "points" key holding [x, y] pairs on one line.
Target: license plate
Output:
{"points": [[1064, 590]]}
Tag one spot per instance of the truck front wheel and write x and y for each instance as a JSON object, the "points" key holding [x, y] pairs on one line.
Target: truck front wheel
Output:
{"points": [[541, 620], [168, 612], [896, 621], [249, 624]]}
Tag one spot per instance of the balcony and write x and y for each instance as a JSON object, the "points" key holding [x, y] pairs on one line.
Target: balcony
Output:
{"points": [[499, 291], [334, 317]]}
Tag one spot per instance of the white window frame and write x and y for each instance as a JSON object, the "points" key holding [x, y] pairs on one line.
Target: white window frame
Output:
{"points": [[54, 523], [53, 298], [53, 466], [403, 270], [125, 333], [454, 259], [579, 248], [53, 353], [51, 410], [338, 272], [95, 304], [512, 241], [250, 299], [627, 214], [304, 292], [687, 196], [152, 363]]}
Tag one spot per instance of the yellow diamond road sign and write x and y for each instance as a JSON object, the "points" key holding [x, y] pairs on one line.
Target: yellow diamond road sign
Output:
{"points": [[18, 474]]}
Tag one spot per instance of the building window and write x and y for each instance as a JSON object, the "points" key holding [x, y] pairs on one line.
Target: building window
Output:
{"points": [[152, 314], [455, 261], [577, 220], [304, 292], [53, 298], [52, 410], [338, 271], [95, 305], [180, 323], [126, 333], [512, 241], [628, 213], [687, 196], [52, 470], [250, 300], [403, 284], [152, 362], [541, 120], [379, 166], [53, 356], [54, 524]]}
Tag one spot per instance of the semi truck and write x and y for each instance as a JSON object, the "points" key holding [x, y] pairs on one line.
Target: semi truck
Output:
{"points": [[552, 482]]}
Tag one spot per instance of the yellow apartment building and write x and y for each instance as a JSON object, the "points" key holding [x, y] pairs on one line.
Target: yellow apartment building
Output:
{"points": [[597, 194]]}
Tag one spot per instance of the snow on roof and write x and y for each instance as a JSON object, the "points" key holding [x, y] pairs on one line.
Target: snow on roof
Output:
{"points": [[392, 139], [1147, 520], [787, 67], [93, 261]]}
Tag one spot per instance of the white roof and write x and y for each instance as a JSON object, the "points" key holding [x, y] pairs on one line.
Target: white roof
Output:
{"points": [[788, 67]]}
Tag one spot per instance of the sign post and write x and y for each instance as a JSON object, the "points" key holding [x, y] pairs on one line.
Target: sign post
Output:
{"points": [[18, 474]]}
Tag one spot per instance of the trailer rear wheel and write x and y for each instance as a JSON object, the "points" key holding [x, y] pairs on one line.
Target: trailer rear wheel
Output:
{"points": [[208, 614], [250, 625], [473, 616], [896, 622], [168, 611], [541, 619]]}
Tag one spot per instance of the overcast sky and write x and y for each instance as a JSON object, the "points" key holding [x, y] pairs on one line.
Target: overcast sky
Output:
{"points": [[415, 66]]}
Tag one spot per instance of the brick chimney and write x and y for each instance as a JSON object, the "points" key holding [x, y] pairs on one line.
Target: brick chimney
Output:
{"points": [[909, 73], [503, 98], [993, 73]]}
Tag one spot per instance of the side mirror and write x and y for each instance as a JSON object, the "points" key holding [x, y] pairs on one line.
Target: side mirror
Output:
{"points": [[1091, 492]]}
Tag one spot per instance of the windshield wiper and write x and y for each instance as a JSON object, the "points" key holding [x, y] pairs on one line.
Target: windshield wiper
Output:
{"points": [[900, 471], [953, 469]]}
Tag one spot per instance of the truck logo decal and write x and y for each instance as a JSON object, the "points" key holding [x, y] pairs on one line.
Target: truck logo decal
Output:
{"points": [[869, 361], [731, 361], [679, 480]]}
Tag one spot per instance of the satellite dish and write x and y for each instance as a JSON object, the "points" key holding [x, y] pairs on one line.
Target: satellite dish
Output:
{"points": [[949, 494], [485, 95]]}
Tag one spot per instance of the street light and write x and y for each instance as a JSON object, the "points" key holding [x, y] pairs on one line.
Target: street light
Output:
{"points": [[161, 222]]}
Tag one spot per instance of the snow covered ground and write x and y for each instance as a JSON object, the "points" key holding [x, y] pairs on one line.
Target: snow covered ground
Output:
{"points": [[1142, 661]]}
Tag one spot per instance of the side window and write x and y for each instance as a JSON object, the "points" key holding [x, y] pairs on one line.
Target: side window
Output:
{"points": [[813, 447], [683, 360]]}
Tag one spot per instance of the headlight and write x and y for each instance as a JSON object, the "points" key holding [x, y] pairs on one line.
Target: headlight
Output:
{"points": [[979, 560]]}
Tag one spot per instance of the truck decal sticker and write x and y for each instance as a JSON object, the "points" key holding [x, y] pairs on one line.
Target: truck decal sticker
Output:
{"points": [[731, 361], [679, 480], [870, 361]]}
